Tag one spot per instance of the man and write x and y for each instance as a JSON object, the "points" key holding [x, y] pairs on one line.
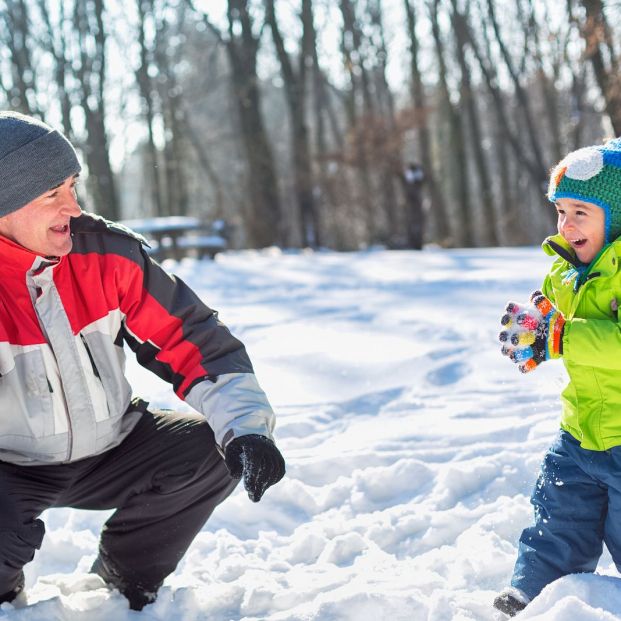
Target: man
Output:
{"points": [[413, 178], [74, 289]]}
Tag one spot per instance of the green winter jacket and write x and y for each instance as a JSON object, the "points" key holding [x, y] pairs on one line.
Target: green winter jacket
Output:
{"points": [[591, 402]]}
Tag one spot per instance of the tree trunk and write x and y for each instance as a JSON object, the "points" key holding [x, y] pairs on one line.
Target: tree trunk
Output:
{"points": [[456, 147], [91, 76], [522, 96], [547, 88], [358, 95], [438, 206], [174, 151], [55, 43], [537, 174], [145, 9], [21, 94], [388, 140], [467, 100], [264, 216], [595, 31], [295, 92]]}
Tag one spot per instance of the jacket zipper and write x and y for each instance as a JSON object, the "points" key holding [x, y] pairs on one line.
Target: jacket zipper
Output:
{"points": [[69, 433], [96, 372], [90, 357], [69, 427], [580, 292]]}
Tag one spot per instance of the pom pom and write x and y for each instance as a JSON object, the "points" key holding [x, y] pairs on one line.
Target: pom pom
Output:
{"points": [[584, 164]]}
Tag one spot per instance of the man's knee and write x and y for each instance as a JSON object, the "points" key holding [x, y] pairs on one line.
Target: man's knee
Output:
{"points": [[195, 461], [18, 543]]}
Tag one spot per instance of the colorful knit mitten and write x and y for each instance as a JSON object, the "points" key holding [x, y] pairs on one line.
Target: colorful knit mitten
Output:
{"points": [[532, 333]]}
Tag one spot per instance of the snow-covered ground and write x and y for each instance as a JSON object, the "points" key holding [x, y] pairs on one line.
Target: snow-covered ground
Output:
{"points": [[411, 444]]}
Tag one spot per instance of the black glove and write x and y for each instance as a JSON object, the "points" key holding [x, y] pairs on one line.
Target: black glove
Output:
{"points": [[257, 459]]}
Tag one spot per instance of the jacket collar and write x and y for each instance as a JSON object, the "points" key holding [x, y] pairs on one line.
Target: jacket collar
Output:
{"points": [[19, 259], [605, 263]]}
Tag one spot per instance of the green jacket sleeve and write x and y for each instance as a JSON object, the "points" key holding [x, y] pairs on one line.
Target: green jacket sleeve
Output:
{"points": [[589, 342]]}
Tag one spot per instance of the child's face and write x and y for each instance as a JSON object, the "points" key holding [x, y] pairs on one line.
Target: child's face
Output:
{"points": [[583, 225]]}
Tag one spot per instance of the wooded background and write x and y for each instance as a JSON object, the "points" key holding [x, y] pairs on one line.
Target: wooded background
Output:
{"points": [[281, 116]]}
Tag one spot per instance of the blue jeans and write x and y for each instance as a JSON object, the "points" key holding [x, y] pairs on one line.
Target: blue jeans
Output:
{"points": [[577, 502]]}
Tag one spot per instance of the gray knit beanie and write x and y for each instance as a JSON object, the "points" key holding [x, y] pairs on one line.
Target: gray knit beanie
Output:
{"points": [[33, 159]]}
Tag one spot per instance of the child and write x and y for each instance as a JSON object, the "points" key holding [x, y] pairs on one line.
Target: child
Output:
{"points": [[577, 498]]}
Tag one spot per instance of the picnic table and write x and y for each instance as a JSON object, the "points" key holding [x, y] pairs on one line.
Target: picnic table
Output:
{"points": [[175, 237]]}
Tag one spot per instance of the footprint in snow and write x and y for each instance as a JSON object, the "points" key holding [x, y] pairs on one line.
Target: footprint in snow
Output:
{"points": [[448, 374]]}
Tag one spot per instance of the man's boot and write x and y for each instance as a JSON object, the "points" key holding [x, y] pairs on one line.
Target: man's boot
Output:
{"points": [[137, 595], [9, 596]]}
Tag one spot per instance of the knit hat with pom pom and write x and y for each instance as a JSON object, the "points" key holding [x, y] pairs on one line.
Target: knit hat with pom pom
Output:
{"points": [[592, 174]]}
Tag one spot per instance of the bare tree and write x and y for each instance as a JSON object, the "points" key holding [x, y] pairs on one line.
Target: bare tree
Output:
{"points": [[54, 42], [600, 51], [90, 72], [489, 108], [463, 225], [488, 223], [15, 29], [388, 140], [146, 11], [332, 188], [521, 95], [422, 119], [359, 113], [502, 103], [295, 81], [556, 43], [167, 54], [242, 44]]}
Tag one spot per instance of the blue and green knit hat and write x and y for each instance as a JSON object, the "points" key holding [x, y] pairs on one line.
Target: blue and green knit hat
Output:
{"points": [[592, 174]]}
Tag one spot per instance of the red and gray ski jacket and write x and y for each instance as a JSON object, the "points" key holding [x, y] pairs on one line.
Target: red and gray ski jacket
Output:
{"points": [[63, 324]]}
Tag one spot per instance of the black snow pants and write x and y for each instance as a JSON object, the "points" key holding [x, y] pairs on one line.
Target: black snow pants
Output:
{"points": [[164, 480]]}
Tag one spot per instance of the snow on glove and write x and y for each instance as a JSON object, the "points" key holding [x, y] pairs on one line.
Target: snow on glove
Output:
{"points": [[533, 333], [257, 460]]}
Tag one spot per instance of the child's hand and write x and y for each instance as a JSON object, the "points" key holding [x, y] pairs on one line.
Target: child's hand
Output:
{"points": [[533, 333]]}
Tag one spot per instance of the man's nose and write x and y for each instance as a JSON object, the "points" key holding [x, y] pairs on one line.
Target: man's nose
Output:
{"points": [[69, 205]]}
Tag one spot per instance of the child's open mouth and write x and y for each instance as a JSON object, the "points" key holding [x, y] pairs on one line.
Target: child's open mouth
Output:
{"points": [[578, 243]]}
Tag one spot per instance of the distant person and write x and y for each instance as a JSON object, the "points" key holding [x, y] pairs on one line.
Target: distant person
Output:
{"points": [[577, 497], [412, 179], [74, 289]]}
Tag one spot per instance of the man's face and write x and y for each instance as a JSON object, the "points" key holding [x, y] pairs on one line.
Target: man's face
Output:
{"points": [[42, 226], [583, 225]]}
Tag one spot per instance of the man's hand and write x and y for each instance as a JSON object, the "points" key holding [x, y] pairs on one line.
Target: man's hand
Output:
{"points": [[257, 459], [532, 334]]}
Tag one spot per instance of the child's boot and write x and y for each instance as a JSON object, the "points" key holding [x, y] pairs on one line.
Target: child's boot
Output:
{"points": [[511, 601]]}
